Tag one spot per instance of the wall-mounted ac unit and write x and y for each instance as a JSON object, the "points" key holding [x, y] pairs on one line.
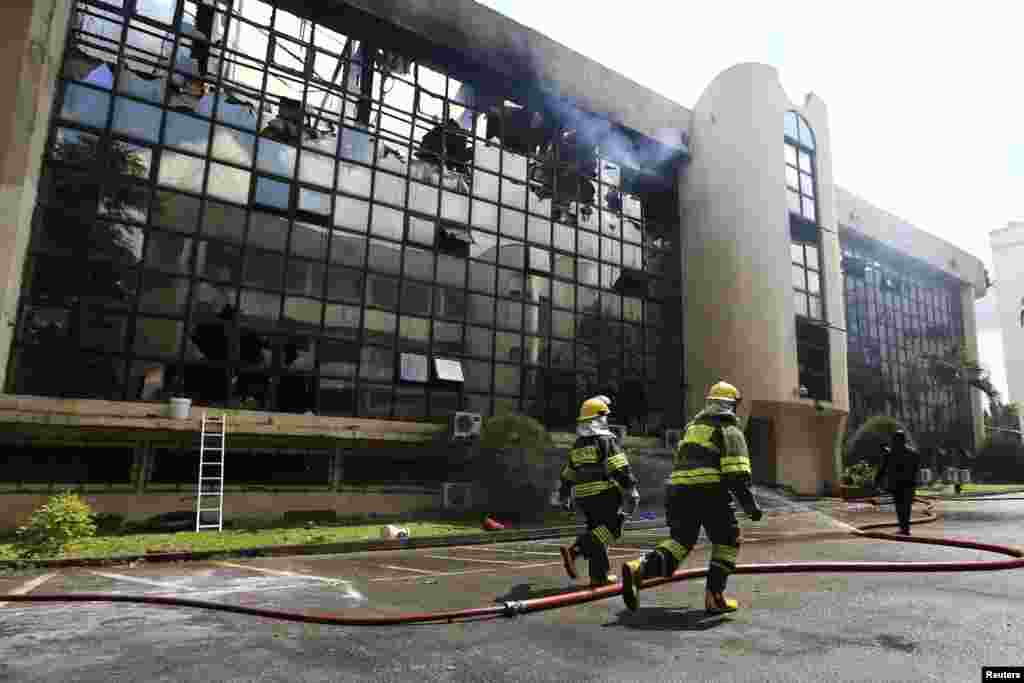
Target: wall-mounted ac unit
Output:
{"points": [[620, 432], [465, 425], [673, 437], [457, 496]]}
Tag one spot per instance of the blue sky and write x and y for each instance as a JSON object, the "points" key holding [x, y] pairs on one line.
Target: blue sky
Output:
{"points": [[925, 100]]}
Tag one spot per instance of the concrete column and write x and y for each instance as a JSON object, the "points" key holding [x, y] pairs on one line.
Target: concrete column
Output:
{"points": [[337, 468], [31, 48], [971, 347], [143, 460]]}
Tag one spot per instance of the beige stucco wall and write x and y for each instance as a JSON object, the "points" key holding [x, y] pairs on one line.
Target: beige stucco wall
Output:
{"points": [[17, 508], [740, 319], [31, 49], [869, 221]]}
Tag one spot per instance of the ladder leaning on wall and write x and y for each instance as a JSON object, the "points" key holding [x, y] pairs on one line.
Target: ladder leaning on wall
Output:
{"points": [[211, 472]]}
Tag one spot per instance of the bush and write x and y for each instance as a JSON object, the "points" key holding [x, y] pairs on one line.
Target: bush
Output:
{"points": [[64, 519], [1000, 460], [109, 523], [514, 470], [866, 443], [861, 474]]}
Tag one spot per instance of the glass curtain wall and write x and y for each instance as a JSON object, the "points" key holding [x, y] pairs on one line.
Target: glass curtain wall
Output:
{"points": [[248, 208], [903, 322]]}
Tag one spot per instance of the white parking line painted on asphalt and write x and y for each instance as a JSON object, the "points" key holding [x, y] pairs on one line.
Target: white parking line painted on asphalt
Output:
{"points": [[436, 575], [30, 585], [351, 591], [488, 570], [135, 579], [478, 571], [281, 572], [470, 559], [510, 550], [228, 591], [406, 569]]}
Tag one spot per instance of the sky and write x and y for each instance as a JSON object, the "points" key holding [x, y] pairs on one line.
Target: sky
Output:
{"points": [[925, 102]]}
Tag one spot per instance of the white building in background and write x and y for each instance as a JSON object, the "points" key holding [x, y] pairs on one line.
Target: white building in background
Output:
{"points": [[1008, 252]]}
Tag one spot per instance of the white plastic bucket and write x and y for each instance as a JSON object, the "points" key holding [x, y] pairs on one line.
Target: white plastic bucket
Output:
{"points": [[180, 408]]}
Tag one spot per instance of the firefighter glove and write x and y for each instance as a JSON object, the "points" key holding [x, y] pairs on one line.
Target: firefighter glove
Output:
{"points": [[567, 504]]}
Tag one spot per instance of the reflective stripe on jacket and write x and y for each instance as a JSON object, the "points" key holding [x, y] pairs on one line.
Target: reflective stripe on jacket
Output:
{"points": [[712, 451], [596, 464]]}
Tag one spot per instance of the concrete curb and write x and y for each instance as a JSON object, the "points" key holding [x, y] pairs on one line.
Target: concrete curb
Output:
{"points": [[972, 496]]}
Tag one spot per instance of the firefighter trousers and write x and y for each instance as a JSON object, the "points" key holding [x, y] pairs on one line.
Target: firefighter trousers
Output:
{"points": [[903, 499], [603, 525], [687, 509]]}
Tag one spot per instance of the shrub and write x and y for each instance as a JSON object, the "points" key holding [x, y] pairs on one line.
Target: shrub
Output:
{"points": [[861, 474], [109, 523], [1000, 460], [866, 443], [64, 518], [514, 470]]}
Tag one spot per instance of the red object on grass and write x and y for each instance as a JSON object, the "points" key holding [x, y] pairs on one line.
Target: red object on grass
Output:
{"points": [[491, 525]]}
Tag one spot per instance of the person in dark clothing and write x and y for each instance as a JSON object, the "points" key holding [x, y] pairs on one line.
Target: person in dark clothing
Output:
{"points": [[901, 463]]}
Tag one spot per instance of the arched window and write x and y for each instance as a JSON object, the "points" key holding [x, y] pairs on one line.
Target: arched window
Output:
{"points": [[803, 226], [800, 185], [805, 250]]}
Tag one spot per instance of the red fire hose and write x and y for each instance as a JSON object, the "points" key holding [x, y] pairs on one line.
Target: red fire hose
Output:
{"points": [[514, 608]]}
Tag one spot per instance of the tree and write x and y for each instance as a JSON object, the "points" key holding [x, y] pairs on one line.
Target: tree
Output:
{"points": [[513, 469], [866, 443]]}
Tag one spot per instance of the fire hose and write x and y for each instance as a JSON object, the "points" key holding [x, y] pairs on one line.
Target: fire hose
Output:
{"points": [[514, 608]]}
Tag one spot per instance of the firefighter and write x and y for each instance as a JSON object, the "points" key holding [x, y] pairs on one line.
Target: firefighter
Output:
{"points": [[901, 462], [710, 462], [599, 479]]}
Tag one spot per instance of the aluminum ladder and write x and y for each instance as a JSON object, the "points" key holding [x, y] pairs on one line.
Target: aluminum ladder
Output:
{"points": [[211, 471]]}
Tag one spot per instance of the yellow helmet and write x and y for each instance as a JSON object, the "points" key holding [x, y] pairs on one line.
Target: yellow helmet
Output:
{"points": [[723, 391], [594, 407]]}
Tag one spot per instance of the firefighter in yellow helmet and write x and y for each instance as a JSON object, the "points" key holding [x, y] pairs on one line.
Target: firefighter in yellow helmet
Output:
{"points": [[710, 462], [600, 480]]}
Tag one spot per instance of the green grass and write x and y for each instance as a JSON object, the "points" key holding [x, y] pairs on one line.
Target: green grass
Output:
{"points": [[237, 539], [969, 489], [261, 534]]}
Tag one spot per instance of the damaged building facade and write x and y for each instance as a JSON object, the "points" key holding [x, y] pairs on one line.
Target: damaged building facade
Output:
{"points": [[346, 221]]}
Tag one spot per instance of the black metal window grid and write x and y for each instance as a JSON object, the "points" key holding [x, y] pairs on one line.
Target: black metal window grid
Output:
{"points": [[903, 320], [204, 157]]}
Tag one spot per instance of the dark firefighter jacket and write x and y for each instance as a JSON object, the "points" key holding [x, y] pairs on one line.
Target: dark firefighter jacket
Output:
{"points": [[713, 453], [596, 464], [901, 465]]}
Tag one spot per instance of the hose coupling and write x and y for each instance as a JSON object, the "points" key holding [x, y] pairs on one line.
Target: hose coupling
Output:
{"points": [[514, 607]]}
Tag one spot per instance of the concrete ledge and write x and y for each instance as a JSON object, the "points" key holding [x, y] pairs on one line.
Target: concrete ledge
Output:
{"points": [[89, 414]]}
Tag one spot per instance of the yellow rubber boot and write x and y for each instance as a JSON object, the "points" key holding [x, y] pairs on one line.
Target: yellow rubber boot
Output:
{"points": [[717, 603], [631, 584]]}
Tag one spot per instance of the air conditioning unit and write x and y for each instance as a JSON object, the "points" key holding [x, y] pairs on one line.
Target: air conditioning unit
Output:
{"points": [[457, 496], [672, 438], [620, 432], [465, 425]]}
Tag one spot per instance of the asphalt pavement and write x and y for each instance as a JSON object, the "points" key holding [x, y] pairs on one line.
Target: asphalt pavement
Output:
{"points": [[791, 627]]}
